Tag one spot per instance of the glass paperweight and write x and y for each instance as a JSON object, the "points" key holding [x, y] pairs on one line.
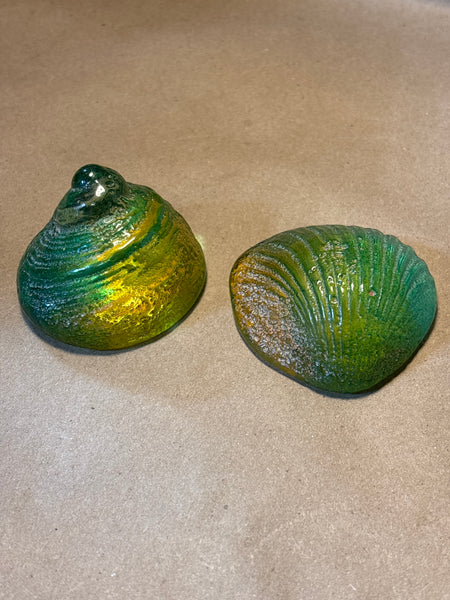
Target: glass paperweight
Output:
{"points": [[115, 267], [341, 309]]}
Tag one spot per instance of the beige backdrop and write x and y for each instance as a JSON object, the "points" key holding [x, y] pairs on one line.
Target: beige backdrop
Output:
{"points": [[187, 469]]}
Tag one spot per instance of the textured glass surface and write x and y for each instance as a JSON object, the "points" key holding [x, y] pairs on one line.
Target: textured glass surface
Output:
{"points": [[338, 308], [116, 265]]}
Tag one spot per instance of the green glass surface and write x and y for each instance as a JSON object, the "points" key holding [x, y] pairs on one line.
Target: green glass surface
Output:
{"points": [[116, 266], [339, 308]]}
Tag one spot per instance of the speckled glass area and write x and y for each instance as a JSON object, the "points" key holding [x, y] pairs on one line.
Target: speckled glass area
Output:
{"points": [[339, 308], [115, 267]]}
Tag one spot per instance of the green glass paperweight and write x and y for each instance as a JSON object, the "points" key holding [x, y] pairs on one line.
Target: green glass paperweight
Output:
{"points": [[115, 267], [341, 309]]}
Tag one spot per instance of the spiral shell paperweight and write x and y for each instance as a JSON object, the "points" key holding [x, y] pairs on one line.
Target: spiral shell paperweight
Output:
{"points": [[341, 309], [115, 267]]}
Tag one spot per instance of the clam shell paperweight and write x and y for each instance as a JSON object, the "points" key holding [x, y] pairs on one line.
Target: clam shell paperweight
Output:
{"points": [[115, 267], [341, 309]]}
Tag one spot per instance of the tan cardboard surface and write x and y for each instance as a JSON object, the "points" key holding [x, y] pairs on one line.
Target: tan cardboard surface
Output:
{"points": [[187, 469]]}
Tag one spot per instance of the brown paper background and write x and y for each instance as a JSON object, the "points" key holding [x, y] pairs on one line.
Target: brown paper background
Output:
{"points": [[187, 469]]}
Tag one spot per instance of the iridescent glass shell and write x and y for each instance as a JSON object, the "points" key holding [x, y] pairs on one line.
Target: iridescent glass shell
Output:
{"points": [[116, 266], [339, 308]]}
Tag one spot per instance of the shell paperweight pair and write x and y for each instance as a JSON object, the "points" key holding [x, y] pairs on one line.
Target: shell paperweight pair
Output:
{"points": [[341, 309]]}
